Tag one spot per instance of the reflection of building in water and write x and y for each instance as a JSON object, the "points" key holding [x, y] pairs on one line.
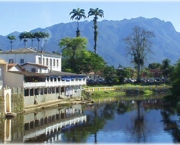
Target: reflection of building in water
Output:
{"points": [[41, 125], [44, 126]]}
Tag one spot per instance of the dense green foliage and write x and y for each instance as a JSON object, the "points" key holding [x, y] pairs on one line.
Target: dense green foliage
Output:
{"points": [[76, 57], [175, 81]]}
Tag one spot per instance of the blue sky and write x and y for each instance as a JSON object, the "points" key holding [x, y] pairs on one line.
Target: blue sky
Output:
{"points": [[27, 15]]}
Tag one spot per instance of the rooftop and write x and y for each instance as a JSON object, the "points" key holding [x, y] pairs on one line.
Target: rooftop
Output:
{"points": [[26, 50], [35, 64], [50, 74]]}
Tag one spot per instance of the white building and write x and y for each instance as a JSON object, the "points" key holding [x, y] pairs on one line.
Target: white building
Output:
{"points": [[32, 57], [40, 75]]}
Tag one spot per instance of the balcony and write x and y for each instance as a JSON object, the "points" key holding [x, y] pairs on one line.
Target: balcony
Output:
{"points": [[54, 83]]}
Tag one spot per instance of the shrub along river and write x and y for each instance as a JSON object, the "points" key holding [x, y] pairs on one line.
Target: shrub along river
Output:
{"points": [[135, 121]]}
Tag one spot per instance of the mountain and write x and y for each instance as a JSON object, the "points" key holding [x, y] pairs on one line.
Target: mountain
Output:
{"points": [[110, 43]]}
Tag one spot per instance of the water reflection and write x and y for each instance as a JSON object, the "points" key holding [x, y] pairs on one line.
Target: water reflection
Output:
{"points": [[143, 121]]}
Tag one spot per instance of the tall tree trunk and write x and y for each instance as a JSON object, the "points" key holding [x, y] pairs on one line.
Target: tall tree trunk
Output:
{"points": [[78, 31], [11, 44], [32, 43], [95, 34]]}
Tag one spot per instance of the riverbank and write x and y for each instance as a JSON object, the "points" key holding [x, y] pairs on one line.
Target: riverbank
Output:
{"points": [[55, 103], [127, 92], [103, 94]]}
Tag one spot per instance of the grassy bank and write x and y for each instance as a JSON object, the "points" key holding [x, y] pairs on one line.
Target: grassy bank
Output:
{"points": [[106, 93]]}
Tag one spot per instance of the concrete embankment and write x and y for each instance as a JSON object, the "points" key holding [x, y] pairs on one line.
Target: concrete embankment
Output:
{"points": [[55, 103]]}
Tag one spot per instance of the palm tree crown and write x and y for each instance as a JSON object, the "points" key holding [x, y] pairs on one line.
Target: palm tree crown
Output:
{"points": [[24, 36], [96, 12], [77, 14]]}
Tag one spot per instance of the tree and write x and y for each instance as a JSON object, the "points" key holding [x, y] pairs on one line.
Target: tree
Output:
{"points": [[174, 98], [23, 36], [45, 36], [71, 47], [11, 38], [31, 36], [145, 72], [139, 46], [165, 67], [77, 14], [154, 65], [39, 36], [95, 12], [109, 74], [88, 61]]}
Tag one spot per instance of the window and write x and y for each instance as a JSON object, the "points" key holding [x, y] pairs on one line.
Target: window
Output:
{"points": [[43, 61], [54, 62], [57, 62], [33, 70], [39, 60], [21, 60], [11, 60], [50, 62], [46, 61]]}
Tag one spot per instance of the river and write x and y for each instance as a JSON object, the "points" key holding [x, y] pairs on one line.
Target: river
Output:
{"points": [[108, 122]]}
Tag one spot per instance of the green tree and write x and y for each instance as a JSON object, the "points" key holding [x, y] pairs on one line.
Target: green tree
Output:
{"points": [[95, 12], [77, 14], [24, 36], [45, 36], [174, 98], [126, 72], [139, 46], [31, 36], [166, 67], [39, 36], [145, 72], [154, 65], [71, 48], [11, 38], [109, 74], [89, 61]]}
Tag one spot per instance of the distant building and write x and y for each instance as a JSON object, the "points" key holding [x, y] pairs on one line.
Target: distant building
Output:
{"points": [[156, 73]]}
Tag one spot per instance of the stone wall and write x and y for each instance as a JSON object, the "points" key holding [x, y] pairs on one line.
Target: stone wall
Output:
{"points": [[1, 105], [2, 129], [17, 100]]}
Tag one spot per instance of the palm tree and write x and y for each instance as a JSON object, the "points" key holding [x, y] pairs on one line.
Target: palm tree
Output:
{"points": [[95, 12], [11, 38], [77, 14], [24, 36], [165, 67], [45, 35], [32, 36], [38, 35]]}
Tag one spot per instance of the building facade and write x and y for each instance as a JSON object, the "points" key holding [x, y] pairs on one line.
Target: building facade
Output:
{"points": [[40, 75]]}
